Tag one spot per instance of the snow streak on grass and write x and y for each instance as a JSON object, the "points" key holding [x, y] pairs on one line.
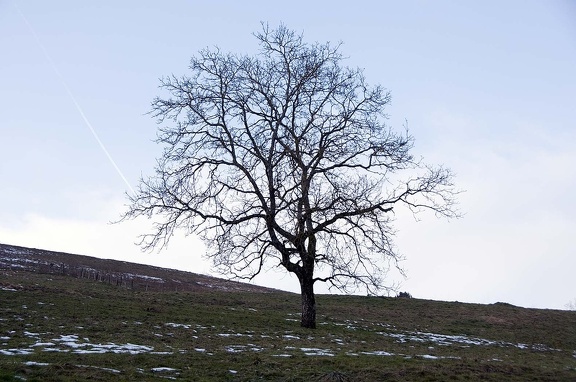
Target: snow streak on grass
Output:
{"points": [[447, 340], [72, 343], [75, 344]]}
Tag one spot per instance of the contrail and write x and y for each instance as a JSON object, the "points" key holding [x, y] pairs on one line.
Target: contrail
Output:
{"points": [[71, 95]]}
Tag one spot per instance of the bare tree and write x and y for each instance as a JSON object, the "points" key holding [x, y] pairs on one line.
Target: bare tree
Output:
{"points": [[284, 158]]}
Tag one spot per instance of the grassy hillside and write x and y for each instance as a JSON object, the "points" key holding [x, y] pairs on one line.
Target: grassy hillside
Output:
{"points": [[57, 324]]}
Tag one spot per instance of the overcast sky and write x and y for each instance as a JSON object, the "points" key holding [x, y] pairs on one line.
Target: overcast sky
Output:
{"points": [[487, 88]]}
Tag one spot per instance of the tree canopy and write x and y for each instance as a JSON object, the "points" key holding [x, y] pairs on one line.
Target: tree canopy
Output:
{"points": [[285, 158]]}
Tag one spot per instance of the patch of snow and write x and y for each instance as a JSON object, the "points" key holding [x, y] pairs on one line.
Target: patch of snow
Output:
{"points": [[17, 266], [145, 277], [16, 351], [205, 284], [67, 338], [235, 348], [17, 251], [115, 371], [428, 356], [447, 340], [232, 371], [162, 369], [540, 347], [377, 352], [42, 344], [127, 348], [71, 341], [234, 335], [32, 363], [439, 339], [290, 337], [174, 325], [317, 352]]}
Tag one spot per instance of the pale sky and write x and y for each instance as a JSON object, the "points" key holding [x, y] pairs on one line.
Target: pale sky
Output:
{"points": [[488, 88]]}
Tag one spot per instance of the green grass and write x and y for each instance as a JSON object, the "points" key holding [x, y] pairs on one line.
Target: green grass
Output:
{"points": [[240, 336]]}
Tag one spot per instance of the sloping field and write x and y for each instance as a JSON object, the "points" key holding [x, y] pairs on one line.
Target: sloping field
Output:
{"points": [[119, 273], [58, 324]]}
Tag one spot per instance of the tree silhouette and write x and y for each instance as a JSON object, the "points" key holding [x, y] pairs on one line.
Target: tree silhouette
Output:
{"points": [[284, 158]]}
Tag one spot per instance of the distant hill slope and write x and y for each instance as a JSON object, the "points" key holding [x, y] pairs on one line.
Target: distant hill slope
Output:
{"points": [[120, 273]]}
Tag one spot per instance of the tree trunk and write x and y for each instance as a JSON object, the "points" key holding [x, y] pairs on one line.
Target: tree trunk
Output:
{"points": [[308, 304]]}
